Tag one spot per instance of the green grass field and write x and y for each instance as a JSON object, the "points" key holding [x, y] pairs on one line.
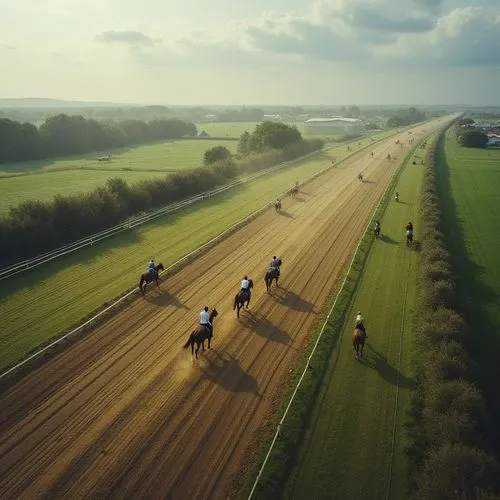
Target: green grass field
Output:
{"points": [[43, 179], [348, 449], [469, 182], [43, 303], [235, 129]]}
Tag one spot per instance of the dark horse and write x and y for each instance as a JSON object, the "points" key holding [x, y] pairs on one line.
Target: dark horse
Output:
{"points": [[409, 237], [360, 177], [294, 191], [272, 274], [376, 230], [277, 205], [150, 276], [200, 334], [240, 299], [358, 341]]}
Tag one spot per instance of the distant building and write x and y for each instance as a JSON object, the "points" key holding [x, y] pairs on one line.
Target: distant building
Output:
{"points": [[336, 125], [493, 140], [272, 118], [210, 118], [202, 134]]}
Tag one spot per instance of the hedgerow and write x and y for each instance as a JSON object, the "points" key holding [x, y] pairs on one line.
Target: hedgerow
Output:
{"points": [[449, 420]]}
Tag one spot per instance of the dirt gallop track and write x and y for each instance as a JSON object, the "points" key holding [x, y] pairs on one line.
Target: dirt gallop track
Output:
{"points": [[124, 413]]}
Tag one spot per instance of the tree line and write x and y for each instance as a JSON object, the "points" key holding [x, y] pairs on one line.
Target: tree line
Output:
{"points": [[452, 454], [470, 136], [34, 227], [406, 117], [62, 135]]}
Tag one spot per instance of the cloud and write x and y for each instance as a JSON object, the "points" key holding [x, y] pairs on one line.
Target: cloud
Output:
{"points": [[127, 37], [7, 46]]}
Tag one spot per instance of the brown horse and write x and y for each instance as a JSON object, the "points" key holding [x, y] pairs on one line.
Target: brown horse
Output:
{"points": [[294, 191], [240, 299], [200, 334], [358, 341], [360, 177], [272, 274], [277, 205], [150, 276]]}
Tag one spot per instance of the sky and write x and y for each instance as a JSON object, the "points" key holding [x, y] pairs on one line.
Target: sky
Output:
{"points": [[240, 52]]}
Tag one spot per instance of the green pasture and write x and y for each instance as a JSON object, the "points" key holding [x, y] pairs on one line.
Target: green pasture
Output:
{"points": [[43, 303], [347, 451], [233, 129], [469, 183], [43, 179]]}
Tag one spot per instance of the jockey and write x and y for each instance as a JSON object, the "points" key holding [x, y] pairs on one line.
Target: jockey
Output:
{"points": [[377, 225], [409, 227], [360, 322], [275, 263], [151, 267], [245, 286], [397, 196], [205, 319]]}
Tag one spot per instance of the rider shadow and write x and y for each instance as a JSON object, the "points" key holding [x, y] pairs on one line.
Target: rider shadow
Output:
{"points": [[308, 194], [387, 239], [264, 328], [292, 300], [402, 202], [389, 373], [163, 298], [225, 370], [284, 213], [367, 181]]}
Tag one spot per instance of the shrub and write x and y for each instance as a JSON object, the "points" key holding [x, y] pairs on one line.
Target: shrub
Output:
{"points": [[442, 324]]}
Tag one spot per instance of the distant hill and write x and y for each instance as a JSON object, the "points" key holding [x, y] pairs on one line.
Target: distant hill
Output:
{"points": [[39, 102]]}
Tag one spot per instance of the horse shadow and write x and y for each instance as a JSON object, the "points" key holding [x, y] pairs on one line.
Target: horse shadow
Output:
{"points": [[367, 181], [379, 363], [225, 370], [291, 300], [284, 213], [387, 239], [308, 194], [402, 202], [164, 298], [299, 198], [259, 324]]}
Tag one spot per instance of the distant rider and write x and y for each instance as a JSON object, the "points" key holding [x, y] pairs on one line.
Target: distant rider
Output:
{"points": [[205, 319], [275, 263], [409, 227], [377, 226], [397, 196], [151, 267], [360, 322], [245, 286]]}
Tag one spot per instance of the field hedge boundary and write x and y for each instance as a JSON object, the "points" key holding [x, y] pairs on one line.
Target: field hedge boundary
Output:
{"points": [[449, 453], [35, 227], [271, 480]]}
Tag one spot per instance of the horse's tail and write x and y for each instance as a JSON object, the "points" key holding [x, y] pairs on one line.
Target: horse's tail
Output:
{"points": [[189, 342]]}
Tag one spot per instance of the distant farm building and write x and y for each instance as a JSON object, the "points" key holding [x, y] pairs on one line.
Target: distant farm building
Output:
{"points": [[493, 140], [202, 135], [272, 118], [322, 126], [210, 118]]}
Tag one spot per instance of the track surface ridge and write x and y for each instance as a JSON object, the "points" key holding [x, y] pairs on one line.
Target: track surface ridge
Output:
{"points": [[124, 412]]}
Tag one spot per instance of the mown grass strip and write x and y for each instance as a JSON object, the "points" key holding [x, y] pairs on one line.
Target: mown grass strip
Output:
{"points": [[282, 457]]}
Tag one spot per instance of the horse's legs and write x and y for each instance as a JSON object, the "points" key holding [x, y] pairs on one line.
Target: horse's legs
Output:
{"points": [[203, 345], [197, 349], [192, 347]]}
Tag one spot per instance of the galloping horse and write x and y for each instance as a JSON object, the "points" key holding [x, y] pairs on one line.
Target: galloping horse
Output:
{"points": [[277, 205], [240, 299], [150, 276], [389, 156], [376, 231], [360, 177], [200, 334], [409, 237], [272, 274], [294, 191], [358, 342]]}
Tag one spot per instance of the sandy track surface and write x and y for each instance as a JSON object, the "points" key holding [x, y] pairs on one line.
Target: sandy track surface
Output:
{"points": [[123, 412]]}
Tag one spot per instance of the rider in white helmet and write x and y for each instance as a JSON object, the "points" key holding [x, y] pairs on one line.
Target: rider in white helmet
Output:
{"points": [[205, 319], [360, 322], [245, 286]]}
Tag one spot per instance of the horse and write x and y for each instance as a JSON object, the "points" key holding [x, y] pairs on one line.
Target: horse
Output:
{"points": [[396, 197], [360, 177], [409, 237], [149, 277], [388, 156], [200, 334], [376, 231], [294, 191], [272, 274], [240, 299], [358, 342], [371, 154], [277, 205]]}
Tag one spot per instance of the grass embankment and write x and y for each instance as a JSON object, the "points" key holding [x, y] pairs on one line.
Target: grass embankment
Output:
{"points": [[451, 429], [43, 179], [469, 183], [347, 450], [43, 303]]}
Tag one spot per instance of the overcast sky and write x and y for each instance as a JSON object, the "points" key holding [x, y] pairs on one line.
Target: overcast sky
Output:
{"points": [[252, 51]]}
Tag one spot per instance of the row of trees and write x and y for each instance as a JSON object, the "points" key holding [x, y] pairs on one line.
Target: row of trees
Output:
{"points": [[468, 135], [406, 117], [450, 419], [66, 135], [34, 227]]}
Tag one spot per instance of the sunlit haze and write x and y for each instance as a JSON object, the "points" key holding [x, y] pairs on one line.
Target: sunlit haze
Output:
{"points": [[258, 52]]}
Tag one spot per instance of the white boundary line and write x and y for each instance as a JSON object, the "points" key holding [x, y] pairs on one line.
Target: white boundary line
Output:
{"points": [[278, 429]]}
